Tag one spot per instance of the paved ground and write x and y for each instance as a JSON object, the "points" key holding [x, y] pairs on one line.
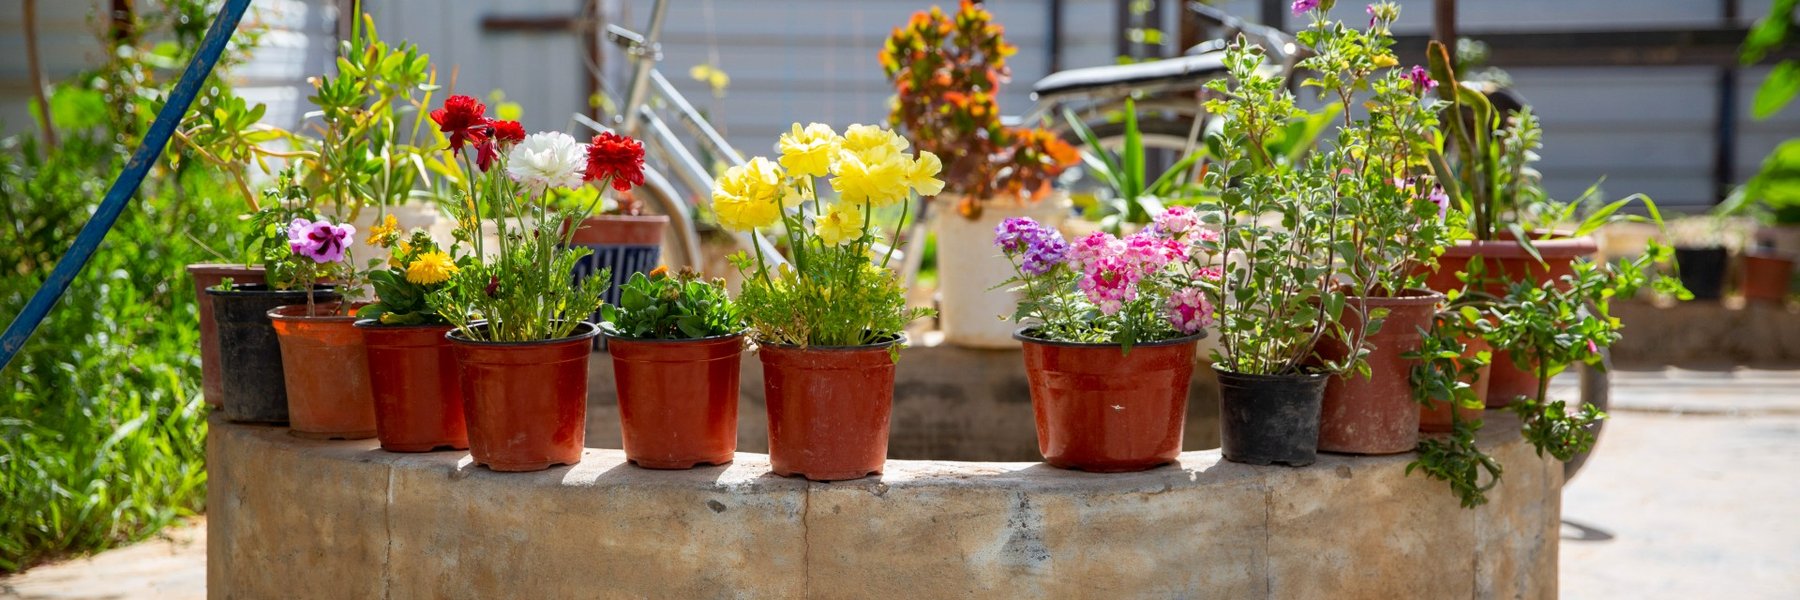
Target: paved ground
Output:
{"points": [[1691, 494]]}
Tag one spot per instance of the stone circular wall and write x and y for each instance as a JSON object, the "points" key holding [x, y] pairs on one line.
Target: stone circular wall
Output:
{"points": [[293, 518]]}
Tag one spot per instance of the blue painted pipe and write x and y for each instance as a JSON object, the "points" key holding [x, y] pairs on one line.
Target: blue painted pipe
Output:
{"points": [[126, 185]]}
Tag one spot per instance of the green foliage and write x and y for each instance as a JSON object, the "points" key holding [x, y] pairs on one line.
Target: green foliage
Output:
{"points": [[841, 299], [1551, 426], [403, 287], [1771, 33], [1135, 199], [660, 307], [1773, 194], [1457, 460], [1276, 302]]}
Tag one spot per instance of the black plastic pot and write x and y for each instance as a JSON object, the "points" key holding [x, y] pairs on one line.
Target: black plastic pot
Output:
{"points": [[1702, 270], [1266, 419], [249, 355]]}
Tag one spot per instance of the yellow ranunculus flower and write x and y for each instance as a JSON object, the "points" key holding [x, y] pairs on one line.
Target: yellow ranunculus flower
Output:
{"points": [[877, 177], [841, 224], [394, 256], [921, 174], [807, 152], [430, 268], [864, 138], [748, 196], [383, 235]]}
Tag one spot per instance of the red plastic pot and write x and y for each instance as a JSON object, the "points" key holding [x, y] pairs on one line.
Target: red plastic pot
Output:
{"points": [[828, 409], [678, 399], [526, 402], [206, 275], [1506, 261], [418, 400], [1105, 410], [1435, 417], [1377, 414], [1766, 276], [326, 367]]}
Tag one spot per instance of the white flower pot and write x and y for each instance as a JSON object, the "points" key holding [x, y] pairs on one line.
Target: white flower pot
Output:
{"points": [[972, 312]]}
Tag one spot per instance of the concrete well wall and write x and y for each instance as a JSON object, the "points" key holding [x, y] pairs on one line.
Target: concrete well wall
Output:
{"points": [[292, 518]]}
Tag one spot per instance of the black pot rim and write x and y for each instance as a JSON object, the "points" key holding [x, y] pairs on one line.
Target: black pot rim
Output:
{"points": [[899, 338], [1307, 377], [244, 289], [711, 338], [1020, 334], [592, 330], [377, 324]]}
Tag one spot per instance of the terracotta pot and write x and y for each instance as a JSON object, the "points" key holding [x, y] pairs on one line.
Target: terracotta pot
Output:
{"points": [[1104, 410], [1505, 261], [526, 402], [1766, 276], [1267, 419], [828, 409], [678, 399], [1703, 270], [206, 275], [326, 366], [1377, 414], [1435, 417], [412, 375], [252, 385]]}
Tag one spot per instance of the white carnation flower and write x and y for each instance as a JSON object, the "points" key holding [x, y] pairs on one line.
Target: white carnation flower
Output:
{"points": [[547, 159]]}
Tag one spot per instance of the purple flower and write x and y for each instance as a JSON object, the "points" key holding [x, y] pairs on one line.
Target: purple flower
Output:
{"points": [[1371, 10], [1421, 79], [322, 241], [1441, 199], [1301, 6], [1041, 247], [1014, 235], [1045, 253]]}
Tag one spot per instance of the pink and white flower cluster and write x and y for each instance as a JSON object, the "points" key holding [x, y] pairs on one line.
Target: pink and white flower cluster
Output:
{"points": [[1159, 263], [321, 240]]}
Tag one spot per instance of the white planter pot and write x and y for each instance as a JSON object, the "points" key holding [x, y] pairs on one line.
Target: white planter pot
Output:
{"points": [[971, 311]]}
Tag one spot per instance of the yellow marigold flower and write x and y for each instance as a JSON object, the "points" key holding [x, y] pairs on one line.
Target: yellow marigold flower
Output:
{"points": [[921, 174], [383, 235], [1385, 60], [430, 268], [864, 138], [841, 224], [748, 196], [807, 152], [877, 177]]}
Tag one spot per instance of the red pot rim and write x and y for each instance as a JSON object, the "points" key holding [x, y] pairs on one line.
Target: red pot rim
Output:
{"points": [[1407, 297], [285, 313], [584, 330], [621, 229], [377, 324], [611, 338], [1769, 255], [1022, 334], [263, 289], [898, 339], [1549, 246]]}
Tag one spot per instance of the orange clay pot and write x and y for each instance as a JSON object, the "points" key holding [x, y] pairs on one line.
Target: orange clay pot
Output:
{"points": [[1435, 418], [326, 367], [1766, 276], [206, 275], [1506, 261], [1376, 414], [418, 400], [678, 399], [1102, 409], [828, 409], [526, 402]]}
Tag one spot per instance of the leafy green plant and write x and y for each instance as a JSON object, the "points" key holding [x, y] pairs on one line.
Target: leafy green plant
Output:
{"points": [[1457, 460], [1445, 372], [661, 307], [1135, 199], [416, 268]]}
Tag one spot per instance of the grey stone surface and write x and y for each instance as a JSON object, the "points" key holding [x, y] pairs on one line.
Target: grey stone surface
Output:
{"points": [[1706, 333], [950, 403], [289, 511]]}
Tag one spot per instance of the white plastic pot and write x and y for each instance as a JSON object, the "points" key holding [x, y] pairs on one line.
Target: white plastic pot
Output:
{"points": [[973, 313]]}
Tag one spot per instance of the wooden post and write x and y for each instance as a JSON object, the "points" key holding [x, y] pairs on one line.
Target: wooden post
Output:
{"points": [[35, 70], [1443, 18]]}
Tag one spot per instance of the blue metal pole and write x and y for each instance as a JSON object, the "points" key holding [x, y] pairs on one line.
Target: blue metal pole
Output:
{"points": [[88, 240]]}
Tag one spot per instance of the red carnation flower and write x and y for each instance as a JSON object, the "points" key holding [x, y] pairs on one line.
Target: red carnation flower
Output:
{"points": [[463, 120], [509, 132], [618, 157], [485, 153]]}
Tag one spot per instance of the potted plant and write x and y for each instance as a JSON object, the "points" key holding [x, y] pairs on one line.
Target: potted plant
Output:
{"points": [[412, 369], [253, 383], [946, 71], [675, 343], [520, 342], [830, 323], [323, 359], [1767, 275], [1109, 332], [1387, 228], [1275, 297], [621, 240], [1703, 249], [207, 276]]}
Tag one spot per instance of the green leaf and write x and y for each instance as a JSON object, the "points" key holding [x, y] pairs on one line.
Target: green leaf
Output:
{"points": [[1133, 178], [1778, 90]]}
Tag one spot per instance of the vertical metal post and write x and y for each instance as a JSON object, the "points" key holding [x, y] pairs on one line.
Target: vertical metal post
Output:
{"points": [[94, 232], [1725, 140], [643, 61]]}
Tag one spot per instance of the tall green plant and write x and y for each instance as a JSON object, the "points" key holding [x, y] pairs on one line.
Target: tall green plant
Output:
{"points": [[1135, 199]]}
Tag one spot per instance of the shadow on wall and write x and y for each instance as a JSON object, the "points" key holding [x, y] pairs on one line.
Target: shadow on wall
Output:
{"points": [[949, 404]]}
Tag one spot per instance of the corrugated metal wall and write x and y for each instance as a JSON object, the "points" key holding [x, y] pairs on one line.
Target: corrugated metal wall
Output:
{"points": [[1646, 129]]}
